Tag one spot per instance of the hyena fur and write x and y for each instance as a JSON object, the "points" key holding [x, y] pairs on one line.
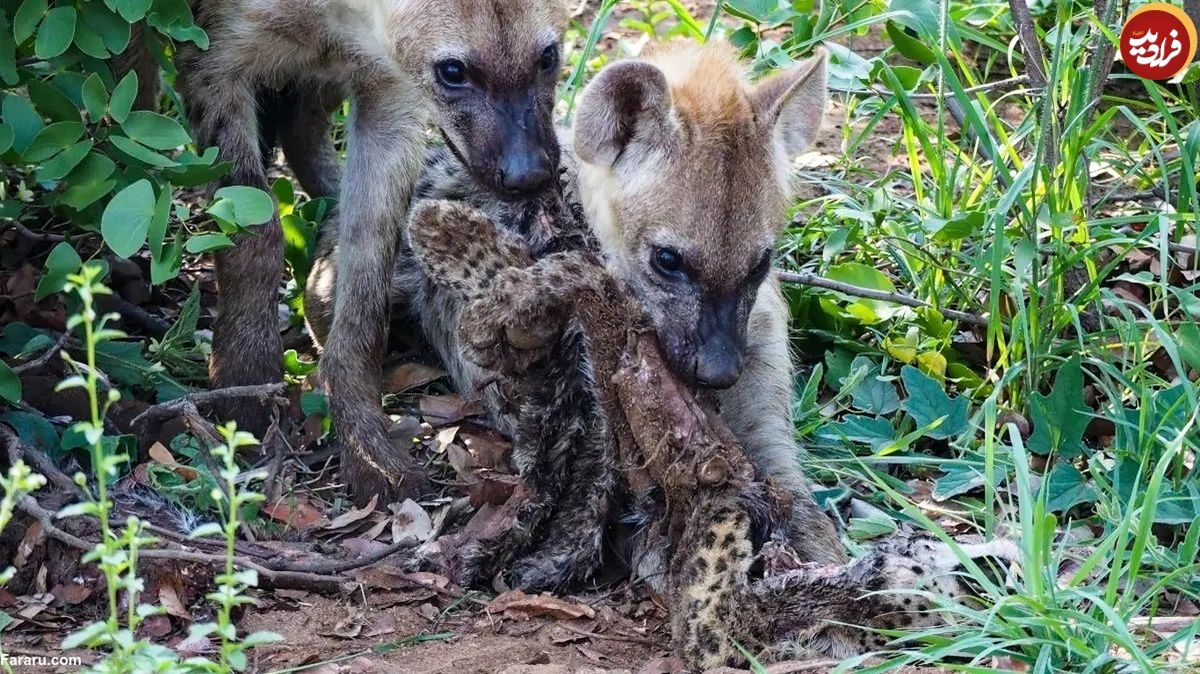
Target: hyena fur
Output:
{"points": [[678, 154], [480, 73], [717, 598]]}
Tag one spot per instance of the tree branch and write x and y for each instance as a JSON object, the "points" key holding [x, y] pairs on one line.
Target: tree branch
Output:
{"points": [[1030, 44], [806, 279]]}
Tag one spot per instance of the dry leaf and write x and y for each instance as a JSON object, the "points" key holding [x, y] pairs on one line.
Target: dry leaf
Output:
{"points": [[410, 522], [409, 376], [488, 448], [160, 454], [168, 597], [443, 439], [294, 512], [519, 606], [448, 409], [353, 516], [72, 594], [492, 488], [386, 624], [155, 626], [29, 543], [349, 627]]}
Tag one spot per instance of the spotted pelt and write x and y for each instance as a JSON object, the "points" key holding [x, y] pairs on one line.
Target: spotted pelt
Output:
{"points": [[515, 303]]}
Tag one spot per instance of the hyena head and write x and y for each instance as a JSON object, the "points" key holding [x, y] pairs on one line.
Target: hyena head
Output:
{"points": [[684, 175], [491, 67]]}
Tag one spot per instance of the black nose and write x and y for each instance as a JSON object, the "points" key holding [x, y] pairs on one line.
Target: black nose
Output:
{"points": [[719, 371], [526, 172]]}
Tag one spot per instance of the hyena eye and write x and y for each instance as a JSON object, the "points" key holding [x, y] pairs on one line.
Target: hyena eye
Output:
{"points": [[667, 262], [548, 61], [760, 270], [451, 73]]}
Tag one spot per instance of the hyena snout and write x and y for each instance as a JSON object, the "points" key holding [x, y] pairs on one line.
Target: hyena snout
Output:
{"points": [[720, 344], [719, 363], [526, 165]]}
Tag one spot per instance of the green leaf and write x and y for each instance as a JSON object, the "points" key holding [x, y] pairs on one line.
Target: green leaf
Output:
{"points": [[868, 311], [10, 384], [123, 96], [165, 264], [203, 243], [25, 121], [1066, 488], [1188, 337], [112, 30], [6, 138], [62, 261], [960, 227], [25, 21], [33, 429], [132, 10], [865, 528], [140, 152], [124, 362], [65, 162], [908, 45], [80, 196], [52, 140], [206, 530], [250, 205], [927, 403], [56, 33], [126, 219], [154, 130], [89, 42], [873, 431], [54, 103], [873, 394], [961, 478], [1059, 419], [95, 97]]}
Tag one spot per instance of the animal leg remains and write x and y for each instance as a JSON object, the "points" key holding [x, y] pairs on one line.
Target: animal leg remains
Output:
{"points": [[666, 441]]}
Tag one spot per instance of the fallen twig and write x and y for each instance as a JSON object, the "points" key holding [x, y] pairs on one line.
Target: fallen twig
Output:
{"points": [[175, 408], [45, 357], [610, 637], [319, 576], [38, 461], [155, 325], [807, 279], [979, 88]]}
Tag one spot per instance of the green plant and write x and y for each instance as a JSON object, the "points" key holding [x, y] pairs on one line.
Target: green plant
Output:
{"points": [[116, 555], [19, 483]]}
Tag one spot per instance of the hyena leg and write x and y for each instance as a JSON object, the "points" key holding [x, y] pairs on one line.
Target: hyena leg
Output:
{"points": [[386, 131], [571, 548], [307, 143], [246, 342]]}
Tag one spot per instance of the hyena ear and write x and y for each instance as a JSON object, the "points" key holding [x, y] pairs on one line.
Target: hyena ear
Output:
{"points": [[626, 108], [791, 104]]}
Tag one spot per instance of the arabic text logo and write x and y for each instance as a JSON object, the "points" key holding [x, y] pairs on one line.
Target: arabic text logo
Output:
{"points": [[1158, 41]]}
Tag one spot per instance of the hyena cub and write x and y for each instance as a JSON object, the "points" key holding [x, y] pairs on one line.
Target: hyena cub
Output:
{"points": [[482, 72], [682, 174]]}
